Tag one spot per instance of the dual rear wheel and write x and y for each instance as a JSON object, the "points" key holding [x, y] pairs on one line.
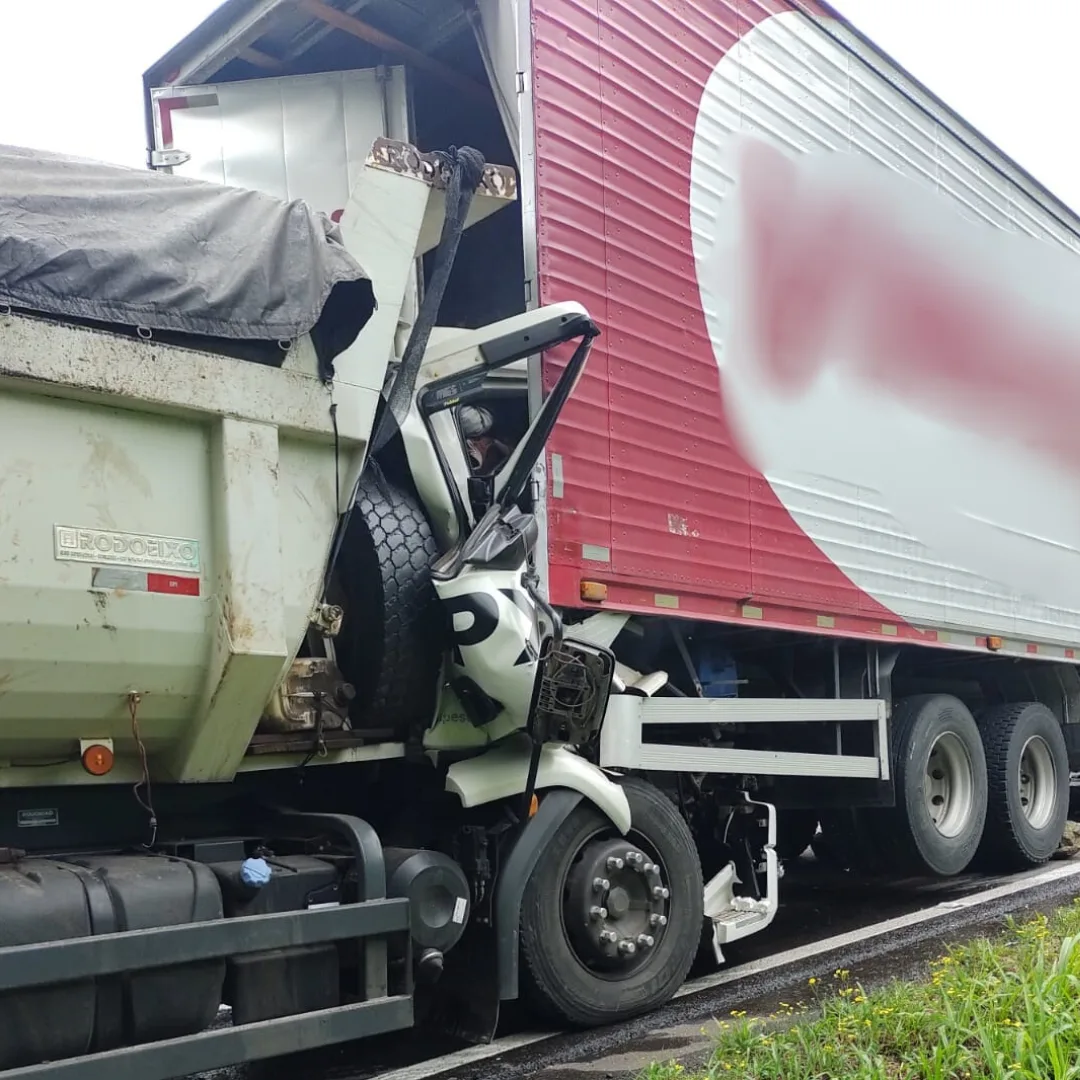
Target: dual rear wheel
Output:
{"points": [[991, 793]]}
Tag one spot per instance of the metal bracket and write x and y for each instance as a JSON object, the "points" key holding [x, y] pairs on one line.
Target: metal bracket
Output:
{"points": [[168, 159], [371, 883], [327, 619], [734, 917]]}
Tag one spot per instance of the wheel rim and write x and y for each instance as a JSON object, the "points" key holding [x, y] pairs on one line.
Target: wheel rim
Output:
{"points": [[1037, 782], [615, 905], [950, 785]]}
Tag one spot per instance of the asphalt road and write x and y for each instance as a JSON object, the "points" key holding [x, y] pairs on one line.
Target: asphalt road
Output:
{"points": [[877, 929], [899, 949]]}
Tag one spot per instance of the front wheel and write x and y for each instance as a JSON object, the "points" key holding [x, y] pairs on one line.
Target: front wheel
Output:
{"points": [[610, 924]]}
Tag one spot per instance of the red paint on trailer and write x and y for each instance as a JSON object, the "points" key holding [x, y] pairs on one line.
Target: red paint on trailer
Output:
{"points": [[650, 470]]}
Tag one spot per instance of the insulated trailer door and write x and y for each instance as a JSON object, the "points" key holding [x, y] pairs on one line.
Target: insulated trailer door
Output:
{"points": [[297, 137], [870, 521]]}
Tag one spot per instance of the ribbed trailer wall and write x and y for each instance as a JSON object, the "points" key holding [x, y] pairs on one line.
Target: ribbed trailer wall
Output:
{"points": [[647, 491]]}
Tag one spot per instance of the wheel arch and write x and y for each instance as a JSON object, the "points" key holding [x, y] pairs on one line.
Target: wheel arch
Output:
{"points": [[502, 773], [566, 781], [556, 806]]}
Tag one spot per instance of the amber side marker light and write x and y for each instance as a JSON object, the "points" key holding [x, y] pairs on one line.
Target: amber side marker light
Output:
{"points": [[534, 805], [97, 758], [994, 643], [594, 592]]}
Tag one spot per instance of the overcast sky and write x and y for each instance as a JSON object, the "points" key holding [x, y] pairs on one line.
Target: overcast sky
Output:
{"points": [[71, 74]]}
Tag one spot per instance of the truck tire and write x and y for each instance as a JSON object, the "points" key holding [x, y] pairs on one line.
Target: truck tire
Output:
{"points": [[390, 645], [570, 973], [939, 771], [1028, 766]]}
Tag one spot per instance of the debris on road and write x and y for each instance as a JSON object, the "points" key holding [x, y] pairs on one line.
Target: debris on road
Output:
{"points": [[1070, 841]]}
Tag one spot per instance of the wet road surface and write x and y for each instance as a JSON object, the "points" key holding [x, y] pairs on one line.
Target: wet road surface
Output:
{"points": [[681, 1030], [817, 905]]}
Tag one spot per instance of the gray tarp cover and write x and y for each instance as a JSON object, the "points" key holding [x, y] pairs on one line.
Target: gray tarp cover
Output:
{"points": [[85, 240]]}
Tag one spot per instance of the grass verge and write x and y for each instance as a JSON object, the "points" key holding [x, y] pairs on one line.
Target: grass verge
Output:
{"points": [[1006, 1008]]}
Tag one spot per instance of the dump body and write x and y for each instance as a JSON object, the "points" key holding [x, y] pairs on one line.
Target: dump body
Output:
{"points": [[649, 493], [166, 539]]}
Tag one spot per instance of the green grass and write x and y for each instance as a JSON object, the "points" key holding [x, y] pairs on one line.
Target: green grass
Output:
{"points": [[1007, 1007]]}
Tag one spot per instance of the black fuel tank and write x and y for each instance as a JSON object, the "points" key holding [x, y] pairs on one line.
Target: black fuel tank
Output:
{"points": [[52, 900]]}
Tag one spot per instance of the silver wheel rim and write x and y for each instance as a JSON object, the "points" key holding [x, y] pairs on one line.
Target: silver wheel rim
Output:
{"points": [[950, 785], [1037, 782]]}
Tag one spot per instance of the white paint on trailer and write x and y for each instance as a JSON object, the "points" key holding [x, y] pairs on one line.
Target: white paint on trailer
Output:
{"points": [[947, 526]]}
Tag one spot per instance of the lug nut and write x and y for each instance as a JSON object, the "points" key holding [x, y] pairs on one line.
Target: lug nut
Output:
{"points": [[658, 920], [601, 884], [608, 936], [635, 858], [627, 947], [660, 892], [615, 863], [598, 913], [645, 941]]}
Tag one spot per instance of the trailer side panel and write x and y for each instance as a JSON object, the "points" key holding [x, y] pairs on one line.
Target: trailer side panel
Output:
{"points": [[648, 492]]}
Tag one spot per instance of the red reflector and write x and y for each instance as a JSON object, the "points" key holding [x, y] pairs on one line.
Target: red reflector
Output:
{"points": [[97, 760], [170, 583]]}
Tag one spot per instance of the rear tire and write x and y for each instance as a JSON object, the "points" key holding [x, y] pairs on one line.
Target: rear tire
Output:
{"points": [[569, 974], [1028, 766], [939, 771], [389, 646]]}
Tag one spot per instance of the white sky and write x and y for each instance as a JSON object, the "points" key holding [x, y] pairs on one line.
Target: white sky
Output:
{"points": [[71, 77], [71, 74]]}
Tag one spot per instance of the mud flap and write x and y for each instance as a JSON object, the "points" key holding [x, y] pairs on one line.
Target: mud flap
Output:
{"points": [[464, 1004]]}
